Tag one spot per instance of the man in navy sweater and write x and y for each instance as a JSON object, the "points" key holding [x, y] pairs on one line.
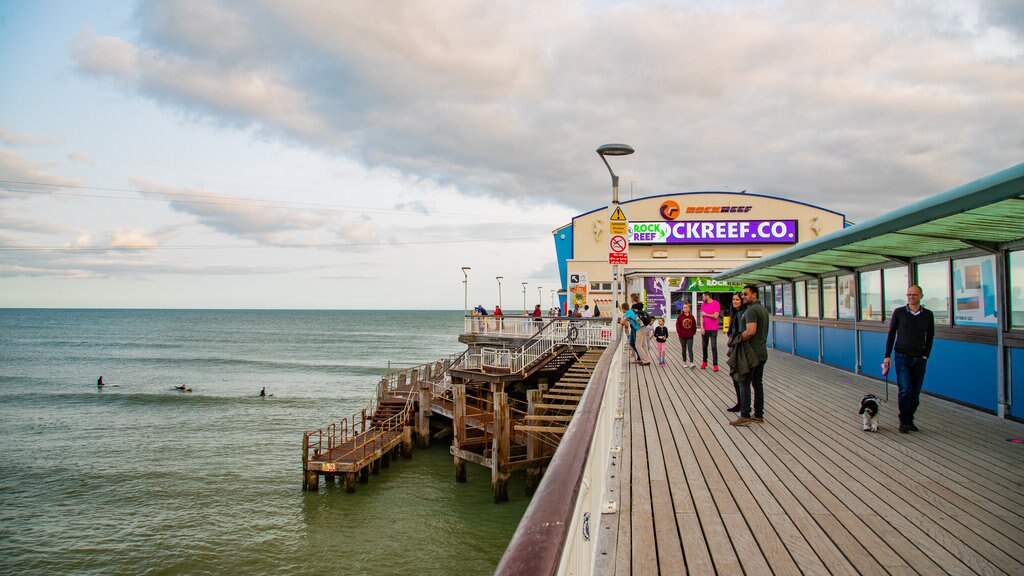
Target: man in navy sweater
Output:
{"points": [[912, 331]]}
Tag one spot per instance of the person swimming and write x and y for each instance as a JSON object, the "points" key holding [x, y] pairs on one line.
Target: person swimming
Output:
{"points": [[99, 383], [263, 393]]}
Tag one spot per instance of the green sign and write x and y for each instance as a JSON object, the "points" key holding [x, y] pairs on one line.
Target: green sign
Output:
{"points": [[706, 284]]}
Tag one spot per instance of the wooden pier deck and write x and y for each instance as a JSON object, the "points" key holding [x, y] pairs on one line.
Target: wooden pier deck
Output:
{"points": [[807, 492]]}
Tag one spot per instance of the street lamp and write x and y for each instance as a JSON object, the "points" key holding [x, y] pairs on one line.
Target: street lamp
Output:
{"points": [[539, 301], [614, 150], [524, 296], [553, 301], [465, 290], [499, 279]]}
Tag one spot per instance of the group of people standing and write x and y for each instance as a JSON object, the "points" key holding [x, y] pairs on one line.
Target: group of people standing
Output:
{"points": [[909, 344]]}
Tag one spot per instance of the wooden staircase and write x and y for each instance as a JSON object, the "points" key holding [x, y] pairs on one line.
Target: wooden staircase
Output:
{"points": [[561, 400]]}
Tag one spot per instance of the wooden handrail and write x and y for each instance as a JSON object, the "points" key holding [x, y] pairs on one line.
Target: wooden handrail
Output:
{"points": [[536, 547]]}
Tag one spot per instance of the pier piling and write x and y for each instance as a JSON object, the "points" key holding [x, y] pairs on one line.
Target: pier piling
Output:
{"points": [[500, 448], [459, 429]]}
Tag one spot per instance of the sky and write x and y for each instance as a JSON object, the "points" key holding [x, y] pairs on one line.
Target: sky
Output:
{"points": [[357, 155]]}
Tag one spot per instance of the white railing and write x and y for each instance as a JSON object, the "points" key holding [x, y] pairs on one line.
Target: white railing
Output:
{"points": [[508, 326], [590, 332], [580, 551]]}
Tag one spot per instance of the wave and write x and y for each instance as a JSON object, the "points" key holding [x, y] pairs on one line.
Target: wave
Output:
{"points": [[276, 365]]}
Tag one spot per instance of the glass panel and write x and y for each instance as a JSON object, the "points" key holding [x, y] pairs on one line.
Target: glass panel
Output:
{"points": [[787, 299], [812, 299], [934, 281], [828, 297], [1017, 289], [974, 291], [896, 284], [780, 307], [871, 295], [800, 291], [847, 297]]}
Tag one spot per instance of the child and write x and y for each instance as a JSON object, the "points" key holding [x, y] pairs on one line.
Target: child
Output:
{"points": [[661, 337], [686, 327]]}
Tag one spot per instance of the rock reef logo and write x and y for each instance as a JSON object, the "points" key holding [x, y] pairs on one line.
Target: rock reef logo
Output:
{"points": [[669, 210], [716, 209]]}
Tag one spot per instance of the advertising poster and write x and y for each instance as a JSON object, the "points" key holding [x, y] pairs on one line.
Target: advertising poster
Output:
{"points": [[847, 299], [657, 296], [578, 285], [974, 299]]}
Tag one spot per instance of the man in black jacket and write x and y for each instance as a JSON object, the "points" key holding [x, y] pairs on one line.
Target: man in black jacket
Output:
{"points": [[912, 331]]}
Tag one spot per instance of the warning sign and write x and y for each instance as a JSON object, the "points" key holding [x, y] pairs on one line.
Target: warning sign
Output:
{"points": [[618, 243], [618, 227], [617, 215], [618, 258]]}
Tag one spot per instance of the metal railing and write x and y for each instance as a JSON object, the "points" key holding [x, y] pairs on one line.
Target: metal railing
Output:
{"points": [[589, 332], [521, 326], [558, 532]]}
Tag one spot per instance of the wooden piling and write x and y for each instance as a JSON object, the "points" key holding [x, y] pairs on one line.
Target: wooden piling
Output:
{"points": [[311, 481], [500, 448], [407, 442], [423, 419], [350, 482], [364, 475], [459, 428], [534, 448]]}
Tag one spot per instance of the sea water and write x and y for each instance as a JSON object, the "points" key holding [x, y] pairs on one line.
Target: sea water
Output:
{"points": [[138, 478]]}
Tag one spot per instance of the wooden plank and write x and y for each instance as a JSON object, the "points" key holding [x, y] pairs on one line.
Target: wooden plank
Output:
{"points": [[547, 417], [549, 429]]}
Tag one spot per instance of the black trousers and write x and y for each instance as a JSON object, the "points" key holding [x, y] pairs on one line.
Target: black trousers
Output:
{"points": [[712, 336], [755, 381]]}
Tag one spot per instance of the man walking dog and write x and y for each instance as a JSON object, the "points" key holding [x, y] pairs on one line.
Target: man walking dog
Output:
{"points": [[911, 333]]}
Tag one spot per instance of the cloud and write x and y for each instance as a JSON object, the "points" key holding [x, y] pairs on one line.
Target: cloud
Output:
{"points": [[26, 175], [18, 139], [854, 106], [266, 224], [76, 156]]}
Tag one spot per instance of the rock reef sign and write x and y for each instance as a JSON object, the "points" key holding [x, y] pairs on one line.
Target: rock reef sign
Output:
{"points": [[720, 232]]}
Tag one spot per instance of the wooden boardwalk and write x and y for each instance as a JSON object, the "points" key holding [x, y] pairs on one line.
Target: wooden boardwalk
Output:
{"points": [[807, 492]]}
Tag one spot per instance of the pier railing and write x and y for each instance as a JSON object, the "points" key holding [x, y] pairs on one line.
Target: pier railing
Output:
{"points": [[522, 326], [351, 438], [558, 533], [589, 332]]}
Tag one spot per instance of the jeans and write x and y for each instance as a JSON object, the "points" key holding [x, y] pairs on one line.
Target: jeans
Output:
{"points": [[632, 341], [687, 345], [910, 377], [712, 336], [755, 381]]}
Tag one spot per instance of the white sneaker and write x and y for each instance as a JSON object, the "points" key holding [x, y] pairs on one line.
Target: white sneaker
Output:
{"points": [[693, 364]]}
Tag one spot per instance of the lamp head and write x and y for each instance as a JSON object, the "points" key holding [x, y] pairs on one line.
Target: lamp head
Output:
{"points": [[615, 150]]}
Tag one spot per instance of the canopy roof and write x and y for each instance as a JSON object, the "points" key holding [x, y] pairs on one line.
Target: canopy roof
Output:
{"points": [[987, 213]]}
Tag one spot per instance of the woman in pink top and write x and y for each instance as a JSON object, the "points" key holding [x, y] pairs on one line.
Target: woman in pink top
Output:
{"points": [[709, 314]]}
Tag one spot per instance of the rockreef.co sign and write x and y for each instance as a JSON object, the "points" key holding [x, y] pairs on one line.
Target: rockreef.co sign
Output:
{"points": [[720, 232]]}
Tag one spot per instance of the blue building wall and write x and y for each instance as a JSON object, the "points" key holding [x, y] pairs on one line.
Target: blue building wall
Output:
{"points": [[963, 371], [958, 370], [807, 341], [563, 252], [838, 348], [1017, 382], [783, 332]]}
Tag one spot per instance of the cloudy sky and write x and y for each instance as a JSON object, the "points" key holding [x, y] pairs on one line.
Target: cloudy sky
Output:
{"points": [[324, 154]]}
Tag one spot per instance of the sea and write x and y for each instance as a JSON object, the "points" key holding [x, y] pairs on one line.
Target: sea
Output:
{"points": [[139, 478]]}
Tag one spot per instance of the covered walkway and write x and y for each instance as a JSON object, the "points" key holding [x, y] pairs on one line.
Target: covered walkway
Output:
{"points": [[807, 492]]}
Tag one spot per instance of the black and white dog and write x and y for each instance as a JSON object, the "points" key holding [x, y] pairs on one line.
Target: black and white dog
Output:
{"points": [[869, 406]]}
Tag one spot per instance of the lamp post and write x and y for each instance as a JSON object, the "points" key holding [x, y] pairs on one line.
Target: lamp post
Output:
{"points": [[465, 290], [553, 301], [614, 150], [524, 296], [499, 279], [539, 301]]}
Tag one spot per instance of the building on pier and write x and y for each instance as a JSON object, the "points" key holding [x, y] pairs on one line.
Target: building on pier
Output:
{"points": [[676, 242]]}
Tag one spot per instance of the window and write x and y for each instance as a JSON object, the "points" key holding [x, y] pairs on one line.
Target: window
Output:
{"points": [[600, 286], [847, 297], [780, 306], [871, 295], [1017, 289], [800, 291], [974, 291], [813, 310], [787, 299], [895, 285], [828, 297], [934, 281]]}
